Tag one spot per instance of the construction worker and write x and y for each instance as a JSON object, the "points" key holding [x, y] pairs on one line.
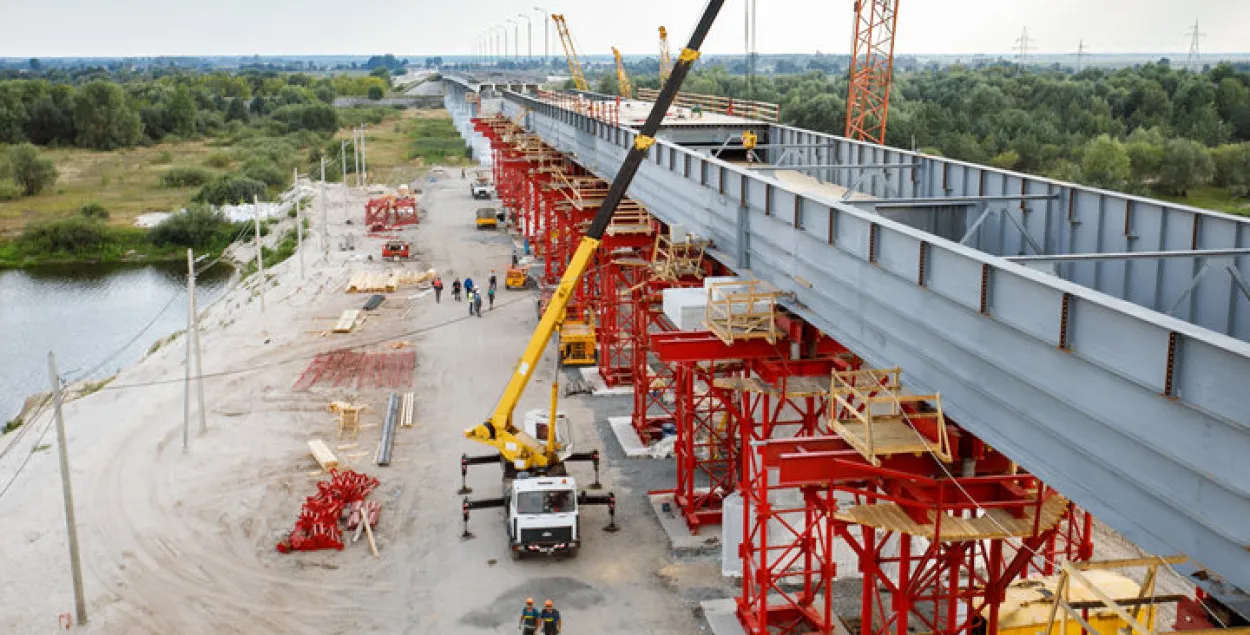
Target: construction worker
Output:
{"points": [[468, 297], [477, 302], [550, 618], [438, 289], [529, 618], [468, 284], [493, 283], [490, 293], [455, 289]]}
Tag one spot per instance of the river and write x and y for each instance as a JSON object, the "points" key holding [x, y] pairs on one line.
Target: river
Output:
{"points": [[88, 316]]}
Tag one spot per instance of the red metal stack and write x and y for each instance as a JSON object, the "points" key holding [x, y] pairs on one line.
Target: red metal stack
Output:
{"points": [[318, 524]]}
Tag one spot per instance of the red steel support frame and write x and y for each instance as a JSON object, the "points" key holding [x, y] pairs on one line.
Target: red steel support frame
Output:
{"points": [[623, 265], [872, 69]]}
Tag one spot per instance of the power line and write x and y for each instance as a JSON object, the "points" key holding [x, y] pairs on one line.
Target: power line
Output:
{"points": [[46, 426]]}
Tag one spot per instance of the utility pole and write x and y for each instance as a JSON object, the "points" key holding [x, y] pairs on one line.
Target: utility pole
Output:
{"points": [[260, 259], [1194, 61], [186, 378], [364, 164], [193, 339], [343, 156], [325, 227], [356, 153], [67, 493], [1080, 56], [1022, 47], [299, 226]]}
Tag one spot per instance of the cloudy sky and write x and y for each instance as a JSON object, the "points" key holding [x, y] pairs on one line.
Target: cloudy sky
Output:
{"points": [[50, 28]]}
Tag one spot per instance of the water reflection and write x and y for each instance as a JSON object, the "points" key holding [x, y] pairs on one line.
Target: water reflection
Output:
{"points": [[84, 314]]}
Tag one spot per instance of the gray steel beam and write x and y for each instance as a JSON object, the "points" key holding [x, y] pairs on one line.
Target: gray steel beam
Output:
{"points": [[960, 200], [836, 166], [1131, 255], [1136, 416]]}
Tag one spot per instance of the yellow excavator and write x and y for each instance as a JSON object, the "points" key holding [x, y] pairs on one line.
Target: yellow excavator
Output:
{"points": [[540, 500]]}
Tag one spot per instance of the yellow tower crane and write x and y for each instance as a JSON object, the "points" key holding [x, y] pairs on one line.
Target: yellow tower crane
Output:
{"points": [[570, 52], [622, 79], [666, 60]]}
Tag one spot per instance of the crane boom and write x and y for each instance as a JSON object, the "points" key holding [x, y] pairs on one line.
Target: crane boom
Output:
{"points": [[516, 447], [872, 69], [622, 79], [666, 59], [570, 51]]}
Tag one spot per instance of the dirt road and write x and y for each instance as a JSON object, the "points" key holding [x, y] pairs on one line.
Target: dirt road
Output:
{"points": [[184, 543]]}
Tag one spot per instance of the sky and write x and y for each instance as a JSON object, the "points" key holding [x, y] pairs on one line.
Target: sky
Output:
{"points": [[113, 28]]}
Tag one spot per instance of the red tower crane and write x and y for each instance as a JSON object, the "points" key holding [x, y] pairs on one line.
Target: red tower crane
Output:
{"points": [[872, 68]]}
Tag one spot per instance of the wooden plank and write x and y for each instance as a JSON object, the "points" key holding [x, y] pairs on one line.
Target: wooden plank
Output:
{"points": [[321, 452], [1130, 562], [347, 321], [364, 520]]}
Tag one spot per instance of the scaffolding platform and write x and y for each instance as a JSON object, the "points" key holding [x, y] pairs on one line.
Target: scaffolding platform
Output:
{"points": [[996, 523], [744, 310]]}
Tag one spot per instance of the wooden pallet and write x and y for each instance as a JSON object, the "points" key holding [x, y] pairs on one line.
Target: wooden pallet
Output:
{"points": [[366, 282]]}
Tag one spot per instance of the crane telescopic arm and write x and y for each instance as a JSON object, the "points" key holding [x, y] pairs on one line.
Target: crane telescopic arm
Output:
{"points": [[515, 446], [622, 78], [570, 51]]}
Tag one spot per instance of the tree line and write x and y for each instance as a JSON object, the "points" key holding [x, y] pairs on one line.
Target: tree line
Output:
{"points": [[1147, 129]]}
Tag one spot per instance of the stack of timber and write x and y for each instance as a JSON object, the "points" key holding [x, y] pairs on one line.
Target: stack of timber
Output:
{"points": [[348, 321], [405, 410], [321, 452], [366, 282]]}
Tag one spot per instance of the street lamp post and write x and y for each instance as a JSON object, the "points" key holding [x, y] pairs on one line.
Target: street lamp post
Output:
{"points": [[516, 38], [546, 37], [529, 37], [504, 28]]}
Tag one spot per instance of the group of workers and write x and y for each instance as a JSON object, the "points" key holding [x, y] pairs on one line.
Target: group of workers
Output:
{"points": [[472, 293], [532, 619]]}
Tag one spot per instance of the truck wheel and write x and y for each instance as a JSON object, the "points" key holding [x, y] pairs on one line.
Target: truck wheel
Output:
{"points": [[571, 552], [517, 556]]}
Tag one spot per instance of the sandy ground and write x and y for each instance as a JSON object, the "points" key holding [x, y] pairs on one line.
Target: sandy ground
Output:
{"points": [[176, 542]]}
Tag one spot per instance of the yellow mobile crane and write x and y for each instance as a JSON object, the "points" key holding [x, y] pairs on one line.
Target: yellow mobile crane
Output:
{"points": [[570, 52], [622, 80], [540, 500], [666, 60]]}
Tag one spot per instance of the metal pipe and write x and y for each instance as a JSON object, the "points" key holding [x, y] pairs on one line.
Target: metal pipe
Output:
{"points": [[383, 457], [1133, 255], [837, 166]]}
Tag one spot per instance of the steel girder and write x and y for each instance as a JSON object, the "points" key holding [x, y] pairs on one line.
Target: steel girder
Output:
{"points": [[1136, 416]]}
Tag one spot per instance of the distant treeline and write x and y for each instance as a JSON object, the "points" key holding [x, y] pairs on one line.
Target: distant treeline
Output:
{"points": [[1152, 128]]}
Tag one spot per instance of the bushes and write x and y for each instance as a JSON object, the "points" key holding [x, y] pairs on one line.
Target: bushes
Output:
{"points": [[319, 117], [198, 227], [218, 160], [30, 171], [185, 177], [230, 189], [265, 171], [94, 211], [71, 235]]}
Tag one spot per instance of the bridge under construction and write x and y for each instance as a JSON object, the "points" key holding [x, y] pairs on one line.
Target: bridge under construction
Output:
{"points": [[951, 367]]}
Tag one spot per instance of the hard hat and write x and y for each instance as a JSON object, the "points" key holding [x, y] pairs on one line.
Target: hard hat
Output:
{"points": [[548, 604], [529, 600]]}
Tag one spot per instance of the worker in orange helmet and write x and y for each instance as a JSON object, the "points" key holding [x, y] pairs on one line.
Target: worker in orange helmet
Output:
{"points": [[551, 618], [529, 618]]}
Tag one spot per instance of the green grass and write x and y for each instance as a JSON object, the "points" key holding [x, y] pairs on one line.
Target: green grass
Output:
{"points": [[1212, 197], [278, 254], [436, 141]]}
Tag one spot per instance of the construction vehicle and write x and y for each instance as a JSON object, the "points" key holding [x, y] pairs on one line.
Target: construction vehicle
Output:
{"points": [[397, 249], [481, 188], [486, 218], [622, 78], [570, 52], [517, 277], [529, 465], [666, 59]]}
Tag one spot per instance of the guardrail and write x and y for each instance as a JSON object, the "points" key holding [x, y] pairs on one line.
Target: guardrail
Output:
{"points": [[761, 110]]}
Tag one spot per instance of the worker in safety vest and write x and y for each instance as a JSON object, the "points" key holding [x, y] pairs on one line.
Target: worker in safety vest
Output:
{"points": [[550, 618], [493, 282], [438, 289], [468, 284], [477, 303], [529, 618]]}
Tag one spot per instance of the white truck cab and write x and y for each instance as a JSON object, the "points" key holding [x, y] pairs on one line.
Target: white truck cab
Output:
{"points": [[543, 515]]}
